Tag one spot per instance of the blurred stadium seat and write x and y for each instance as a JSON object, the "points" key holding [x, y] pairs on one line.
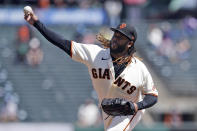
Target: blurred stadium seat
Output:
{"points": [[173, 58]]}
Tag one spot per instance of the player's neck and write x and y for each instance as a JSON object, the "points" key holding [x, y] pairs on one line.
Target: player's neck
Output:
{"points": [[118, 55]]}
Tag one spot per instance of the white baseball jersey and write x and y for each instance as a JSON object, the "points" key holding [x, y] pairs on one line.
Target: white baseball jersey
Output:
{"points": [[131, 84]]}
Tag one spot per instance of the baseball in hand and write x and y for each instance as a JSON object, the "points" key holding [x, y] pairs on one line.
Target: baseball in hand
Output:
{"points": [[28, 10]]}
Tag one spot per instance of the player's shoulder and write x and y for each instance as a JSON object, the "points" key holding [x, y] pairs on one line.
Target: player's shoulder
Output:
{"points": [[137, 60], [139, 63], [91, 46]]}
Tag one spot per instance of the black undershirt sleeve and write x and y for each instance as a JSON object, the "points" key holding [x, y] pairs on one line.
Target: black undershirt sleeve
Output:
{"points": [[54, 38], [148, 101]]}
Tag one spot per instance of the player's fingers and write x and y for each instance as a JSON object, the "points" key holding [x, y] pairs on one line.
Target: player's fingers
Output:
{"points": [[25, 17], [28, 17], [31, 13]]}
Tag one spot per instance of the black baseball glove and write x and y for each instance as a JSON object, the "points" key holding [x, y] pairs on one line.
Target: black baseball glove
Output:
{"points": [[118, 107]]}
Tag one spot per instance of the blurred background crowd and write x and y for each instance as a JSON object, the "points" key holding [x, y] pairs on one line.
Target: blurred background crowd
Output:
{"points": [[40, 83]]}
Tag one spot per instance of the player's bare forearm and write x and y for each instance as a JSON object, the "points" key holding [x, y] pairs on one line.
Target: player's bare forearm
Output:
{"points": [[136, 107]]}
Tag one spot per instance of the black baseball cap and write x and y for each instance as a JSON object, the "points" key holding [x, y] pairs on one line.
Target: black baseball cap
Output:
{"points": [[128, 30]]}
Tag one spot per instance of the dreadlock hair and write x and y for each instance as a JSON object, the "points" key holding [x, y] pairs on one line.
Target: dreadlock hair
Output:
{"points": [[123, 59], [104, 42]]}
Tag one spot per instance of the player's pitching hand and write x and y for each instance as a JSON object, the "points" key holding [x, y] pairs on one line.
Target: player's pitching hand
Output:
{"points": [[29, 15]]}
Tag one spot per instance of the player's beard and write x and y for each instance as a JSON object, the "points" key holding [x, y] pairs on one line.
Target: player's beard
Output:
{"points": [[118, 48]]}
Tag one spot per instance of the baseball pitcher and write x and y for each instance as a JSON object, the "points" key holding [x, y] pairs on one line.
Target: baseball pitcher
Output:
{"points": [[123, 84]]}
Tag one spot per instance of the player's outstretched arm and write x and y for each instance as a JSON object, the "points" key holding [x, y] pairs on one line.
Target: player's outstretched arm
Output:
{"points": [[51, 36]]}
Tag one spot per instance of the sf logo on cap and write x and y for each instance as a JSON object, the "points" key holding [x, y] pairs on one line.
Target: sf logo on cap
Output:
{"points": [[123, 25]]}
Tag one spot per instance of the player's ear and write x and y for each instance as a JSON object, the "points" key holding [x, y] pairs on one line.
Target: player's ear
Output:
{"points": [[130, 44]]}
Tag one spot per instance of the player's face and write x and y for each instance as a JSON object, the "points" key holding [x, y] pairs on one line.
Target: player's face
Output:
{"points": [[119, 43]]}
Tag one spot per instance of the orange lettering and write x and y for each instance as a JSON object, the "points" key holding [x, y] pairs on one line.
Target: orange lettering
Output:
{"points": [[123, 25]]}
